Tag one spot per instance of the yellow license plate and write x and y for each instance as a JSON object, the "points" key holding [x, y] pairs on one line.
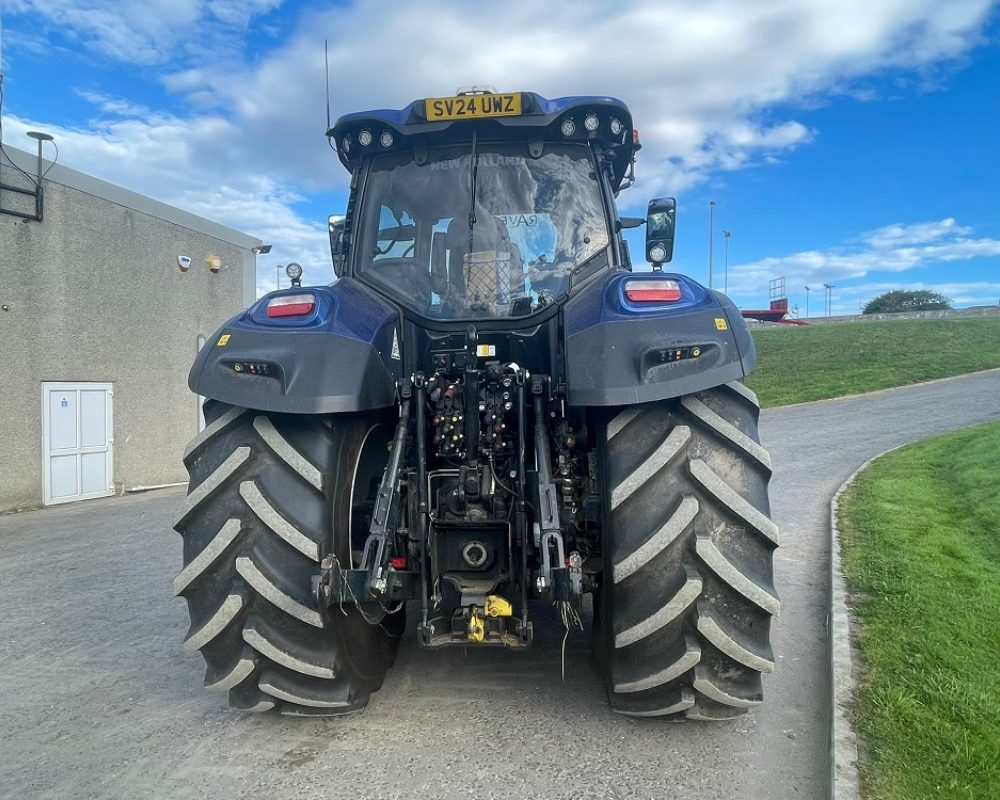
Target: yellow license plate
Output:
{"points": [[472, 106]]}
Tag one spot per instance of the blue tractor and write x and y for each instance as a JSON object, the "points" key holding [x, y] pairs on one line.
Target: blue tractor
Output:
{"points": [[487, 414]]}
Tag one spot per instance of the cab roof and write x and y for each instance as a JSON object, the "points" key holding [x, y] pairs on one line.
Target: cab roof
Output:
{"points": [[497, 118]]}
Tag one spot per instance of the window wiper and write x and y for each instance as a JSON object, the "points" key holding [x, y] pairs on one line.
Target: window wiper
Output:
{"points": [[472, 192]]}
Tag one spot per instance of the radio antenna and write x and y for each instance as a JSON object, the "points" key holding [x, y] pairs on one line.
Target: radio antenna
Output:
{"points": [[326, 59]]}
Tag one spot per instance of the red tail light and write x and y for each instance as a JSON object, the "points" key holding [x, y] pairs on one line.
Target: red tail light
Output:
{"points": [[291, 305], [653, 291]]}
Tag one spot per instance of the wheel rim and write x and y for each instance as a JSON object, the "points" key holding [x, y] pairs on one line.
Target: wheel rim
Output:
{"points": [[365, 478]]}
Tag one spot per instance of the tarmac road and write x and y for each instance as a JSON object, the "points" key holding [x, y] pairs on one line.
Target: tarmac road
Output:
{"points": [[98, 700]]}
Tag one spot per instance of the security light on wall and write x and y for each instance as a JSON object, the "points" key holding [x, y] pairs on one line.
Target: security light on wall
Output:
{"points": [[262, 249], [214, 263]]}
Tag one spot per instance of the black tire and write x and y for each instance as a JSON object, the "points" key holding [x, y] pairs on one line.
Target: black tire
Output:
{"points": [[683, 615], [270, 495]]}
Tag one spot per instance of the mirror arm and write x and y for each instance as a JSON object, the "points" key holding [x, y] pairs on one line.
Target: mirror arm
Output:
{"points": [[630, 222]]}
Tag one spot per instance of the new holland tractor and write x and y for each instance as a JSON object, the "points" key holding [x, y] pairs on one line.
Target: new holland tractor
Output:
{"points": [[489, 413]]}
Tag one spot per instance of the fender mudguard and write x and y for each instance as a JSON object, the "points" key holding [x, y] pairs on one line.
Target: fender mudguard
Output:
{"points": [[620, 352], [345, 355]]}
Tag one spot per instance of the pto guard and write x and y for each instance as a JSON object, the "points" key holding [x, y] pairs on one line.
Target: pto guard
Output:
{"points": [[343, 356], [620, 352]]}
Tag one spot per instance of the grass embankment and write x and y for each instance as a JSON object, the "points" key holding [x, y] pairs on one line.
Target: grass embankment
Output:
{"points": [[921, 537], [796, 364]]}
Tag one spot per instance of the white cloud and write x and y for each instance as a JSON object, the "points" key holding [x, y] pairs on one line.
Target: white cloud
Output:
{"points": [[893, 248], [701, 78], [919, 233], [705, 80], [143, 31], [115, 106]]}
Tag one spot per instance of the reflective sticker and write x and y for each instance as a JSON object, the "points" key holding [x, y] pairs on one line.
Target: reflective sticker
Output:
{"points": [[721, 324], [486, 350], [395, 344], [223, 340]]}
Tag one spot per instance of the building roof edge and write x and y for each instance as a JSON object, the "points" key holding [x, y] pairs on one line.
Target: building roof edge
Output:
{"points": [[73, 179]]}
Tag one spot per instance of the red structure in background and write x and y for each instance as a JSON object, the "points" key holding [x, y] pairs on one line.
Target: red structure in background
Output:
{"points": [[778, 312]]}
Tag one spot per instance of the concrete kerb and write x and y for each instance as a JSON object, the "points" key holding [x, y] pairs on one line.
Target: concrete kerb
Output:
{"points": [[844, 783]]}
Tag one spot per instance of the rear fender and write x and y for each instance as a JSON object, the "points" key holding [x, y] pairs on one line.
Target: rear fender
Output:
{"points": [[620, 353], [346, 355]]}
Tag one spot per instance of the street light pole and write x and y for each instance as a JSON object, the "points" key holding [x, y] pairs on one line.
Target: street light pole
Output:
{"points": [[711, 237], [807, 302], [277, 276], [725, 236], [829, 296]]}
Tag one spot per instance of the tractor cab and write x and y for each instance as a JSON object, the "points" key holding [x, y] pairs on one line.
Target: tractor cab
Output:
{"points": [[483, 205]]}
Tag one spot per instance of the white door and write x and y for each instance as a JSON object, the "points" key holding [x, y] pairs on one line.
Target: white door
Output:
{"points": [[77, 439]]}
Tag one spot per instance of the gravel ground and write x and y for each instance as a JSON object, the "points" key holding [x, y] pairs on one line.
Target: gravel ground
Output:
{"points": [[99, 701]]}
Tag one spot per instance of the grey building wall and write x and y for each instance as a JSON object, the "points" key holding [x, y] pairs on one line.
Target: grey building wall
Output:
{"points": [[94, 293]]}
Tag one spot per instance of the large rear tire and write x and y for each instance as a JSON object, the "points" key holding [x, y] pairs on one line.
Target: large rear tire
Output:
{"points": [[270, 496], [687, 595]]}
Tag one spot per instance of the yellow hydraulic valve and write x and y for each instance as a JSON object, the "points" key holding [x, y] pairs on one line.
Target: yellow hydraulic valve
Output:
{"points": [[496, 606]]}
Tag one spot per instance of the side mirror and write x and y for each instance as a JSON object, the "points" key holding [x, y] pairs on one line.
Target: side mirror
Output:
{"points": [[660, 221], [337, 245]]}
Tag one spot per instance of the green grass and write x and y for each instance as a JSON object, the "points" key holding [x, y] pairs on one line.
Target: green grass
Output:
{"points": [[921, 536], [796, 364]]}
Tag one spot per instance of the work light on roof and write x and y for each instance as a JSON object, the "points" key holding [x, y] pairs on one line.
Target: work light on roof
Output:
{"points": [[294, 271], [386, 139], [568, 127], [365, 138], [591, 122], [616, 127], [345, 144]]}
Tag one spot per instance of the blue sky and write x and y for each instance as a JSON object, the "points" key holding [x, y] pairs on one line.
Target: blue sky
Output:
{"points": [[844, 141]]}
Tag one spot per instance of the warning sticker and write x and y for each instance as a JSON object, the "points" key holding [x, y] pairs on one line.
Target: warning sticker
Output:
{"points": [[721, 324], [486, 350], [395, 345], [223, 340]]}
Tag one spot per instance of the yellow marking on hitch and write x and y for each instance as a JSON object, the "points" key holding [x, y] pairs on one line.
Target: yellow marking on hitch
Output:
{"points": [[477, 631], [496, 606]]}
